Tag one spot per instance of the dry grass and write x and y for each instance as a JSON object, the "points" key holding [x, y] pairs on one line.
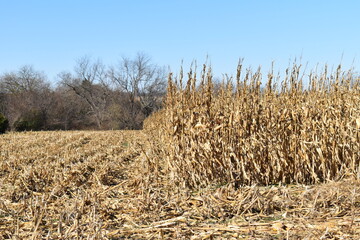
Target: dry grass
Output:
{"points": [[208, 166]]}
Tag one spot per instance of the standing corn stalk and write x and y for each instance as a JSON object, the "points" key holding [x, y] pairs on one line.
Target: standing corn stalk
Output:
{"points": [[247, 135]]}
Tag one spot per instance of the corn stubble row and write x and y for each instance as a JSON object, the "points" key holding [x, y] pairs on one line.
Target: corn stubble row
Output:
{"points": [[66, 185], [96, 185], [298, 129]]}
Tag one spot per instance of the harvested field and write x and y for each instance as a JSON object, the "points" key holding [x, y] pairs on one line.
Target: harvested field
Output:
{"points": [[96, 185]]}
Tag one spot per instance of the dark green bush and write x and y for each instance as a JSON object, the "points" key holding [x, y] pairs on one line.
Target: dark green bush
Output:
{"points": [[33, 120], [4, 123]]}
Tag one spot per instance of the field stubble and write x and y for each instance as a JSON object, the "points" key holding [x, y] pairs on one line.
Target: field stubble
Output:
{"points": [[79, 185]]}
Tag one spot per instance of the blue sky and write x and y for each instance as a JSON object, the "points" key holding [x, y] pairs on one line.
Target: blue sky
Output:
{"points": [[51, 35]]}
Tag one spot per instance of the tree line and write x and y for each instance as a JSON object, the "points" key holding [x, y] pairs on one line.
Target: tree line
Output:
{"points": [[92, 96]]}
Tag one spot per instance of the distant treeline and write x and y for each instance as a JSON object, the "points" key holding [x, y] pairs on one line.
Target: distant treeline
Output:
{"points": [[92, 96]]}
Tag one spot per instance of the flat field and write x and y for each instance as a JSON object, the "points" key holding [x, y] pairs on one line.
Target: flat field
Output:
{"points": [[100, 185]]}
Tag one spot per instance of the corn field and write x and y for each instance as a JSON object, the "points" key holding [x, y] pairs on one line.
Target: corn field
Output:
{"points": [[290, 131], [229, 160]]}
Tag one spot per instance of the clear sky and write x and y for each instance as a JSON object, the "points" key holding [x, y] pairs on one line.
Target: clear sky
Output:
{"points": [[52, 34]]}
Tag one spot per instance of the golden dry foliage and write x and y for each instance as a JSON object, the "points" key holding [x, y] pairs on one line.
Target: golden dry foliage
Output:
{"points": [[154, 121], [286, 132]]}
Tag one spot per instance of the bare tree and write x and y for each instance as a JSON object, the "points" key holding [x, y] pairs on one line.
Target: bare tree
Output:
{"points": [[143, 83], [90, 82], [2, 102], [24, 91], [25, 79], [68, 111]]}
